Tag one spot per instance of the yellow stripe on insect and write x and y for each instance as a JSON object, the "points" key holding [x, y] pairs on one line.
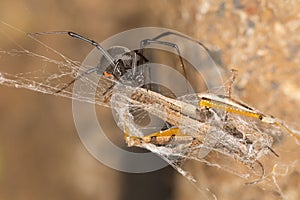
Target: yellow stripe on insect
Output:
{"points": [[160, 138], [228, 108], [232, 106]]}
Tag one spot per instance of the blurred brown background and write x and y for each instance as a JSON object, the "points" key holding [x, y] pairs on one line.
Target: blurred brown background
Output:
{"points": [[41, 156]]}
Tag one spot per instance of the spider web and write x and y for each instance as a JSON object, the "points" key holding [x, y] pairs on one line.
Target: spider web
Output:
{"points": [[264, 168], [53, 74]]}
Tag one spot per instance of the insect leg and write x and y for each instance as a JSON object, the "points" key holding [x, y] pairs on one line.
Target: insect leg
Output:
{"points": [[85, 39], [262, 174], [147, 42], [231, 81], [94, 43], [272, 150], [80, 37], [155, 40], [229, 88], [77, 78], [167, 33]]}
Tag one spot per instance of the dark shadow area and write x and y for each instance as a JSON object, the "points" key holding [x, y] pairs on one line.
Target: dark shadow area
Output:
{"points": [[158, 185]]}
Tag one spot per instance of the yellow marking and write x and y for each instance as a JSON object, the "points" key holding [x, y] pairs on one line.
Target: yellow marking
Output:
{"points": [[169, 132], [229, 108], [248, 113], [106, 74], [159, 138]]}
